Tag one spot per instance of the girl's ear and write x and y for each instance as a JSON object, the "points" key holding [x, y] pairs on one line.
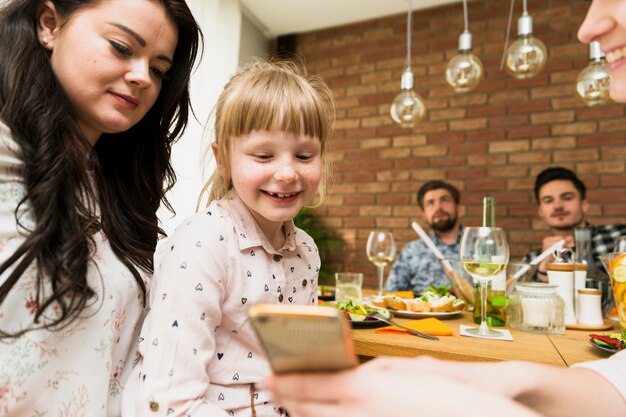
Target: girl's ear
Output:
{"points": [[48, 23], [218, 160]]}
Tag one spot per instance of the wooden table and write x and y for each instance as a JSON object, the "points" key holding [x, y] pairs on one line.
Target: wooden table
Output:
{"points": [[561, 350]]}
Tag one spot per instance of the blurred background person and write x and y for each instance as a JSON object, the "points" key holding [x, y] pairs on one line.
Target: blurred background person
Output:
{"points": [[562, 204], [417, 267]]}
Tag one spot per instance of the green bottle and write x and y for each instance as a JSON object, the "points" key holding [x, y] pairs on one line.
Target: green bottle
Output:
{"points": [[496, 288]]}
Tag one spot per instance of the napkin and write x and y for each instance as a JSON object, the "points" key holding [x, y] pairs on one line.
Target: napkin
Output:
{"points": [[401, 294], [431, 326]]}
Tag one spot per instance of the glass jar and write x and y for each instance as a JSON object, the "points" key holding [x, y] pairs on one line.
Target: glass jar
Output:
{"points": [[536, 307]]}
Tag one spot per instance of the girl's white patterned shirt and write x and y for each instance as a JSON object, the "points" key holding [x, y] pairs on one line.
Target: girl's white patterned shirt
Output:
{"points": [[81, 369], [200, 354]]}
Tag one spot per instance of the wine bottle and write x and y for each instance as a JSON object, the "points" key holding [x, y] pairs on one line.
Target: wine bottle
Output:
{"points": [[496, 289], [489, 212]]}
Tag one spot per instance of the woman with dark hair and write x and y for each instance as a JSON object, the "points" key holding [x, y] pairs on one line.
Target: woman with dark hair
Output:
{"points": [[92, 96]]}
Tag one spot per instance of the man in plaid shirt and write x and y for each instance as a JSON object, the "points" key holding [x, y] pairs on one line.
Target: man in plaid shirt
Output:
{"points": [[561, 197]]}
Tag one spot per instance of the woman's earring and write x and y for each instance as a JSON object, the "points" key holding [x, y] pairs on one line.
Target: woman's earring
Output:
{"points": [[44, 41]]}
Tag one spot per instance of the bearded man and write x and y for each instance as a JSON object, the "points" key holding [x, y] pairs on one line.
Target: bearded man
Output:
{"points": [[416, 267], [562, 205]]}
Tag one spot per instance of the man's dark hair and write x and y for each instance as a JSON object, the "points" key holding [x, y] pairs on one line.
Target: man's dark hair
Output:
{"points": [[436, 185], [559, 173]]}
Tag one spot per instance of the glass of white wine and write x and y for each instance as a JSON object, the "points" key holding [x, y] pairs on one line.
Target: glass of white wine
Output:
{"points": [[484, 254], [381, 250]]}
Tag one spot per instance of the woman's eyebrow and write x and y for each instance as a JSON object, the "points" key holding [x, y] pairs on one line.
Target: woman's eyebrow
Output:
{"points": [[131, 32], [138, 38]]}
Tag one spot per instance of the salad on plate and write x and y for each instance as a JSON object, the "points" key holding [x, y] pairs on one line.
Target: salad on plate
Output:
{"points": [[612, 342], [355, 311]]}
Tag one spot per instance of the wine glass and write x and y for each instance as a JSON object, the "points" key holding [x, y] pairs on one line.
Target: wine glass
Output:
{"points": [[620, 244], [381, 249], [484, 254]]}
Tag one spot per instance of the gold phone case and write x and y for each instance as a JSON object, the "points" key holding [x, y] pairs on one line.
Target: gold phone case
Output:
{"points": [[303, 338]]}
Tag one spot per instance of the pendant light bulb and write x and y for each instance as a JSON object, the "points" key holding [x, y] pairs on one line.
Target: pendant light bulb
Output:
{"points": [[527, 56], [593, 82], [408, 107], [465, 70]]}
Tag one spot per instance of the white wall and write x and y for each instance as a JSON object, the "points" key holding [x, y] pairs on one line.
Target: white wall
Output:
{"points": [[229, 39], [253, 43], [220, 21]]}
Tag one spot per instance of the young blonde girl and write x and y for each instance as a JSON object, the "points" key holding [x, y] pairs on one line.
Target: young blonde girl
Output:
{"points": [[200, 355]]}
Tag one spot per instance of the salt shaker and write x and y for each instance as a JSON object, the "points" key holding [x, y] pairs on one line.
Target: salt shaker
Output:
{"points": [[590, 313], [561, 274]]}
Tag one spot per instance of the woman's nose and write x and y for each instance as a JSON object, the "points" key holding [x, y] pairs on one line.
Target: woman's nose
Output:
{"points": [[597, 23], [139, 74]]}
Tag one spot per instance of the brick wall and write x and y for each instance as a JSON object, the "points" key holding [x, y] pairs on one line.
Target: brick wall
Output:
{"points": [[493, 140]]}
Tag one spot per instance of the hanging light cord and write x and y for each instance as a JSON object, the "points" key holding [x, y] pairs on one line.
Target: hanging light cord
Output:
{"points": [[525, 8], [409, 29], [465, 15], [508, 31]]}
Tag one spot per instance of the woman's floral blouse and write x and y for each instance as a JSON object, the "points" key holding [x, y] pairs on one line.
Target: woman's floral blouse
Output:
{"points": [[81, 369]]}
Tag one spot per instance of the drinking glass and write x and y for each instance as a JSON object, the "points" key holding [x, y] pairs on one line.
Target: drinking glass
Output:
{"points": [[484, 254], [381, 249], [348, 285]]}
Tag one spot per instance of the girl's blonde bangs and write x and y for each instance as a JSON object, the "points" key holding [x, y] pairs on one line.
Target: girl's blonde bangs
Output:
{"points": [[279, 102]]}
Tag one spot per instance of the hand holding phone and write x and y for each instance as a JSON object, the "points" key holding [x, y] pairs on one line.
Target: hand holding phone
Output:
{"points": [[303, 338]]}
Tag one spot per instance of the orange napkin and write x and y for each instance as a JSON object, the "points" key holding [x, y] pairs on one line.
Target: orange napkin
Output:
{"points": [[401, 294], [430, 326]]}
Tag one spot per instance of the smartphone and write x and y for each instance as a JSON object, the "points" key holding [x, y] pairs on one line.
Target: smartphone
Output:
{"points": [[303, 338]]}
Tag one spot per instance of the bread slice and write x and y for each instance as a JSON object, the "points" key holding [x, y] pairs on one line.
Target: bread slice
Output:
{"points": [[394, 303], [443, 304], [418, 306]]}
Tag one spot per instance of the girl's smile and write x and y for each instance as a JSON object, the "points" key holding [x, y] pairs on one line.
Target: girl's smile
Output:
{"points": [[282, 197]]}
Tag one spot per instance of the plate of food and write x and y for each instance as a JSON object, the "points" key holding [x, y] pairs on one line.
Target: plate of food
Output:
{"points": [[434, 302], [425, 314], [325, 293], [356, 313], [609, 343]]}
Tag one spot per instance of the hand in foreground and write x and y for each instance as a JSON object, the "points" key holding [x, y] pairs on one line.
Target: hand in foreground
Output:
{"points": [[386, 387]]}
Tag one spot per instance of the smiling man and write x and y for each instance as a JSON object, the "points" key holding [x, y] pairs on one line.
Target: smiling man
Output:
{"points": [[417, 267], [563, 204]]}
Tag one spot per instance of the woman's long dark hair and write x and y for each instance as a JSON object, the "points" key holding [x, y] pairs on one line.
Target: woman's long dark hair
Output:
{"points": [[126, 175]]}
